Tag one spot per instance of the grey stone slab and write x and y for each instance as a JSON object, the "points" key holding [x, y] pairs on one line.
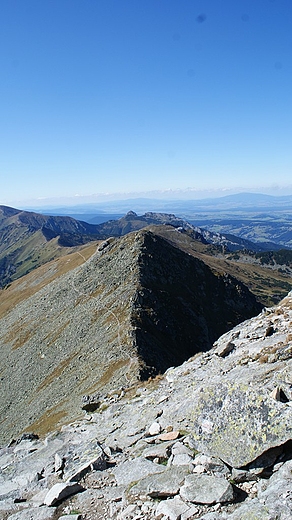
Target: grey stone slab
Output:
{"points": [[162, 485], [81, 458], [206, 489], [134, 470], [252, 510], [227, 418], [172, 509], [37, 513], [160, 451]]}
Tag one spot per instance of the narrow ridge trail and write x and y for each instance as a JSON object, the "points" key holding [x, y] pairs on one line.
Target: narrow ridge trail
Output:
{"points": [[98, 253]]}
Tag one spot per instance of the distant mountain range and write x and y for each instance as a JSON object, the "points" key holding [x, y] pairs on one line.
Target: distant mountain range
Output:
{"points": [[29, 240], [259, 218], [240, 201]]}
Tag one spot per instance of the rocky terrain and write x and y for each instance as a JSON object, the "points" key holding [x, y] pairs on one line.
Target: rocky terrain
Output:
{"points": [[209, 440], [136, 306]]}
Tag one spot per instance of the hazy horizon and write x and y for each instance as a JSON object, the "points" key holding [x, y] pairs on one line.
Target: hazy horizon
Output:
{"points": [[163, 196]]}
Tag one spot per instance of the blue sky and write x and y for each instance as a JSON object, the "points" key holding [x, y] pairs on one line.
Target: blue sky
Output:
{"points": [[119, 96]]}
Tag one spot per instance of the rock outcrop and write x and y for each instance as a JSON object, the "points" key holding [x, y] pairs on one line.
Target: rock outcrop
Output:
{"points": [[137, 306], [209, 440]]}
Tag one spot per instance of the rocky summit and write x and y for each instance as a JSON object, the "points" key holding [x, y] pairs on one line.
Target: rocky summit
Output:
{"points": [[210, 439], [135, 307]]}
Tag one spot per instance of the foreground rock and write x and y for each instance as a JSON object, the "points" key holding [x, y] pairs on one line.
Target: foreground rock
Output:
{"points": [[229, 457], [206, 489]]}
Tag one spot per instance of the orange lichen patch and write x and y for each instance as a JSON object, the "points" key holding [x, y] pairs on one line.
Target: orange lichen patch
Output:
{"points": [[56, 372], [29, 284], [48, 422]]}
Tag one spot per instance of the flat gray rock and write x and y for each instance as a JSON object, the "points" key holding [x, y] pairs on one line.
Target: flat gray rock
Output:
{"points": [[80, 458], [253, 510], [162, 485], [172, 509], [227, 418], [134, 470], [206, 489], [160, 451], [38, 513]]}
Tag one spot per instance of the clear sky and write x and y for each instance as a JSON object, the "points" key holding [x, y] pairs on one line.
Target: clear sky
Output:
{"points": [[107, 96]]}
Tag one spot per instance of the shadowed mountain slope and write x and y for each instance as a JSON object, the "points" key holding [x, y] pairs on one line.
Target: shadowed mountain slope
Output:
{"points": [[136, 306]]}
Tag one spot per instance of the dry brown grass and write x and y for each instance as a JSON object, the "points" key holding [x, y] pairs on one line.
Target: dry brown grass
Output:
{"points": [[48, 422], [18, 335], [107, 376], [56, 333], [23, 288], [56, 372]]}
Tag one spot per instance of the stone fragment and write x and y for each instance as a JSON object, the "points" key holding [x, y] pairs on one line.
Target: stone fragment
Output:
{"points": [[59, 463], [60, 491], [211, 464], [154, 429], [265, 460], [80, 460], [189, 514], [161, 485], [214, 515], [206, 489], [275, 394], [160, 451], [37, 513], [181, 459], [134, 470], [128, 512], [223, 349], [81, 470], [39, 498], [179, 448], [242, 475], [279, 395], [172, 509], [252, 510], [199, 468]]}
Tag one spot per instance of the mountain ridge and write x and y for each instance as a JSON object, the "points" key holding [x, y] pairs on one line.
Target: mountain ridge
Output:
{"points": [[29, 239], [133, 308]]}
